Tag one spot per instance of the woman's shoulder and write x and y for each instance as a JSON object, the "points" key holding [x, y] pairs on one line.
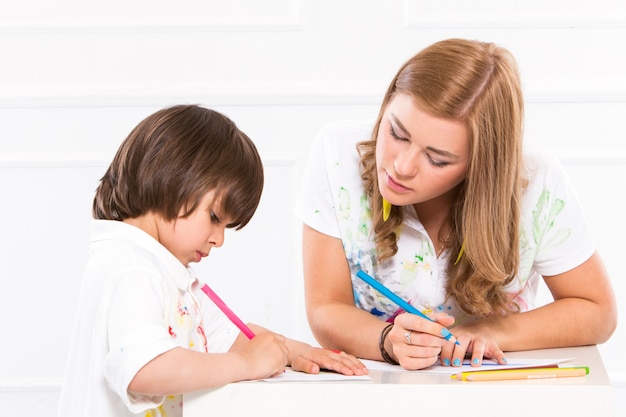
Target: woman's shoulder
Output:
{"points": [[347, 131], [541, 163], [545, 175], [338, 139], [348, 127]]}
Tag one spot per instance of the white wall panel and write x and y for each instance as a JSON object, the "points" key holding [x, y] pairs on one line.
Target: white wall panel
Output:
{"points": [[507, 14], [77, 76], [42, 250], [120, 15]]}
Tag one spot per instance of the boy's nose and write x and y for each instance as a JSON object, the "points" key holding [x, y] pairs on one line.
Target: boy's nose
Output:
{"points": [[217, 239]]}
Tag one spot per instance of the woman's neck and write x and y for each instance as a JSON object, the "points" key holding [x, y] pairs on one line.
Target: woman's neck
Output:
{"points": [[434, 215]]}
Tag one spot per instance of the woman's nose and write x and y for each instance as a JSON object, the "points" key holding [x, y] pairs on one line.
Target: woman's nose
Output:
{"points": [[406, 164]]}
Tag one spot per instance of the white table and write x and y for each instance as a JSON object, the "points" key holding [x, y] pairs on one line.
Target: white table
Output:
{"points": [[412, 393]]}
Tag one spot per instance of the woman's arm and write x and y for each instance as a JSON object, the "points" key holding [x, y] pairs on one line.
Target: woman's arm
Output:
{"points": [[335, 321], [338, 324], [584, 312]]}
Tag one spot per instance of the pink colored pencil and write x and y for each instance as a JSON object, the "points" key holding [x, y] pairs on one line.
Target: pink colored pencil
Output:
{"points": [[229, 313]]}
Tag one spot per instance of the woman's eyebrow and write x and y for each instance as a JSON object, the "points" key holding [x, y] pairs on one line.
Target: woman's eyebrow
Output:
{"points": [[443, 152]]}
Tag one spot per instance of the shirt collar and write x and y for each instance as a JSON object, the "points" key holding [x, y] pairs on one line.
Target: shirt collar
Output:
{"points": [[410, 218], [182, 276]]}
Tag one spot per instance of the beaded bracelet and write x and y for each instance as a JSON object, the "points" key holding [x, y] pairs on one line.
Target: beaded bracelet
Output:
{"points": [[381, 345]]}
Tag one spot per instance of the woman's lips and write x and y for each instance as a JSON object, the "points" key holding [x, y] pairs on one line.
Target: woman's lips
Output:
{"points": [[396, 186]]}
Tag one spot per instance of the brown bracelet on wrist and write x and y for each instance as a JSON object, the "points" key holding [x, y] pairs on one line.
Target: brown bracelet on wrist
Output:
{"points": [[381, 345]]}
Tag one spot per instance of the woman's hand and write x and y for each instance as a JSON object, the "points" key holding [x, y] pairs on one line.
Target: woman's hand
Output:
{"points": [[476, 342], [416, 342], [311, 360]]}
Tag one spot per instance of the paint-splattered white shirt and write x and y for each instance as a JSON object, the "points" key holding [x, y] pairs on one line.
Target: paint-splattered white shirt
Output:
{"points": [[137, 301], [555, 236]]}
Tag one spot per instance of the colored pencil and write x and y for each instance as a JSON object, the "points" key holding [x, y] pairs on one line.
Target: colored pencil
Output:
{"points": [[521, 373], [399, 301], [229, 313]]}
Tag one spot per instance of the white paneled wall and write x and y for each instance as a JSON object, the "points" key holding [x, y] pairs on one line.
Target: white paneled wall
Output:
{"points": [[76, 76]]}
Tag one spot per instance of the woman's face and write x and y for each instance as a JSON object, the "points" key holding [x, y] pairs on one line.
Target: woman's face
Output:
{"points": [[419, 157]]}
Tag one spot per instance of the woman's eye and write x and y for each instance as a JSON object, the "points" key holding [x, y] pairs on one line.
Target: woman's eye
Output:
{"points": [[436, 163], [393, 133]]}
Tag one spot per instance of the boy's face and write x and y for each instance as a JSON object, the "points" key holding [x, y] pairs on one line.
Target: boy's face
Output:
{"points": [[191, 238]]}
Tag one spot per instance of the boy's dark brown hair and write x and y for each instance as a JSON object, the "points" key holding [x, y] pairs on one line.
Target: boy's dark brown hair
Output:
{"points": [[172, 158]]}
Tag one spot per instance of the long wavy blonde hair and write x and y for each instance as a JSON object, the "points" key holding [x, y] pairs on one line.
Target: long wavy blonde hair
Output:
{"points": [[476, 83]]}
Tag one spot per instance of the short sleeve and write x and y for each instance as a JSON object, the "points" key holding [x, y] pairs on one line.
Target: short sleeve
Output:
{"points": [[136, 332], [332, 175], [555, 220], [314, 205]]}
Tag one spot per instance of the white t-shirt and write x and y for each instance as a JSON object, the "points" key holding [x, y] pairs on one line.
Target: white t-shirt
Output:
{"points": [[136, 302], [554, 238]]}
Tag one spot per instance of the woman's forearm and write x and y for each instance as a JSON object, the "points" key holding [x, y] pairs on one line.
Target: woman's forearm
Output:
{"points": [[565, 322], [344, 327]]}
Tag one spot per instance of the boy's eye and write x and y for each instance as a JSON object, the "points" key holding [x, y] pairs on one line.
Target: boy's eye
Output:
{"points": [[215, 218]]}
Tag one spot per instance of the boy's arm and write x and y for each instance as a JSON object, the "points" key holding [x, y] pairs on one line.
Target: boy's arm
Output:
{"points": [[181, 370]]}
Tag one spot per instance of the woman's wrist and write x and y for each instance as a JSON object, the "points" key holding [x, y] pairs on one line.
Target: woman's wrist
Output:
{"points": [[381, 345]]}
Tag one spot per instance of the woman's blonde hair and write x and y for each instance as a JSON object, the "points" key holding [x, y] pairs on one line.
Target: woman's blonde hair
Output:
{"points": [[476, 83]]}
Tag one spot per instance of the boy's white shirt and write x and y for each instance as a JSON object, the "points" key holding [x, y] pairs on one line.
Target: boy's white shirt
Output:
{"points": [[137, 301]]}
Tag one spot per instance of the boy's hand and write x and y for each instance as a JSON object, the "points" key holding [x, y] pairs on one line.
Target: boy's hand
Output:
{"points": [[266, 355]]}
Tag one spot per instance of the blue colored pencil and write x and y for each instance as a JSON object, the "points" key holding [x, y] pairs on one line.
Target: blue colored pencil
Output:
{"points": [[396, 299]]}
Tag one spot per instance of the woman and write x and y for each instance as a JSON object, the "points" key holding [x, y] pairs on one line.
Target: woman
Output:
{"points": [[440, 201]]}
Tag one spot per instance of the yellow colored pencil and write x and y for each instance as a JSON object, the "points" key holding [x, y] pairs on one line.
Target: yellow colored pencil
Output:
{"points": [[521, 373]]}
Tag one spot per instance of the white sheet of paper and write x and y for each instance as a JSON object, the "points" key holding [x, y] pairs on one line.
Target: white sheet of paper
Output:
{"points": [[488, 364], [293, 376]]}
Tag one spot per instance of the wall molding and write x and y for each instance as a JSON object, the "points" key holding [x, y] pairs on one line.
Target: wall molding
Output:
{"points": [[147, 26], [534, 16], [30, 385], [35, 161], [51, 161], [285, 15], [123, 96], [507, 22], [583, 157]]}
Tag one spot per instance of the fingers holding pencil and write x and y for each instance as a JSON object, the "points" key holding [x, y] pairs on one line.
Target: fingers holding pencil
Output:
{"points": [[442, 332], [264, 356], [416, 342]]}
